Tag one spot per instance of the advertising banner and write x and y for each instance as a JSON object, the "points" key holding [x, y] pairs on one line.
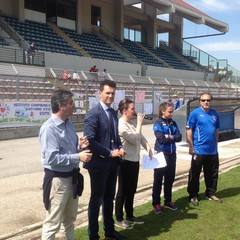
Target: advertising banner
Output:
{"points": [[23, 113]]}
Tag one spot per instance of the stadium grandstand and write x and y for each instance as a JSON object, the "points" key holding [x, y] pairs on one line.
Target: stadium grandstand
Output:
{"points": [[122, 36]]}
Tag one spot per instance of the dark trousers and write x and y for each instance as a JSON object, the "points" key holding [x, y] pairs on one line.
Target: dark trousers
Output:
{"points": [[127, 186], [168, 173], [103, 187], [210, 165]]}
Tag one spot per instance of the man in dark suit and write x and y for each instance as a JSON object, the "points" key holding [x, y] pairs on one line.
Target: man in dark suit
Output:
{"points": [[106, 148]]}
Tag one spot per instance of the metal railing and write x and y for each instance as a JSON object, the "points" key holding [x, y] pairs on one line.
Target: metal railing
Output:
{"points": [[147, 95], [20, 56]]}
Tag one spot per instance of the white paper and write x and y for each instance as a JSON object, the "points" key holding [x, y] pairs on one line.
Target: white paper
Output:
{"points": [[157, 161]]}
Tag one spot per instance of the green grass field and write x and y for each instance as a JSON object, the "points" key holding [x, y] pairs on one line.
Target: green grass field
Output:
{"points": [[208, 221]]}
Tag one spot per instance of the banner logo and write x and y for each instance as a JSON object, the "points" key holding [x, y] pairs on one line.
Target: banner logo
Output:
{"points": [[4, 109]]}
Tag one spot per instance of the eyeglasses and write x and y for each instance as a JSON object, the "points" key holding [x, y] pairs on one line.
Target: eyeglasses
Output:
{"points": [[205, 100]]}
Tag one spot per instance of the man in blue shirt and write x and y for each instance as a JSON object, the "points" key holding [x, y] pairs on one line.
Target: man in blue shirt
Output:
{"points": [[60, 158], [176, 103], [202, 137]]}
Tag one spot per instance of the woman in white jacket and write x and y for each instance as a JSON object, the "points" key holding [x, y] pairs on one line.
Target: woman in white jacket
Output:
{"points": [[132, 140]]}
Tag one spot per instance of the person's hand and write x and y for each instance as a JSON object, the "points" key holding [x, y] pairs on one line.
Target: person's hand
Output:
{"points": [[191, 150], [118, 153], [83, 142], [115, 153], [168, 136], [140, 118], [122, 152], [150, 153], [85, 156]]}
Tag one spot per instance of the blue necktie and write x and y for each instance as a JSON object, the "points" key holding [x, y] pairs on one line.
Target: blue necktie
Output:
{"points": [[112, 128]]}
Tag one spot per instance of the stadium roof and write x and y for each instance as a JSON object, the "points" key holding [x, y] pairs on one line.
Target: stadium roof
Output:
{"points": [[183, 9]]}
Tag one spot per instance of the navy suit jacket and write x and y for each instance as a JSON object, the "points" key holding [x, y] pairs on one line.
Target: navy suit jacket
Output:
{"points": [[97, 130]]}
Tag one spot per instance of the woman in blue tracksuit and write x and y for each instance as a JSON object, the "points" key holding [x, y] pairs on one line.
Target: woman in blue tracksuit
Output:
{"points": [[167, 133]]}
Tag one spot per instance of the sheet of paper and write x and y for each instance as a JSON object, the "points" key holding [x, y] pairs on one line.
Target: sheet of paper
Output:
{"points": [[157, 161]]}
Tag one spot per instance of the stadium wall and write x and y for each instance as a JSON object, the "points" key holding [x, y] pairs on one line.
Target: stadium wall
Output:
{"points": [[56, 60], [174, 73], [7, 7], [108, 19], [35, 16]]}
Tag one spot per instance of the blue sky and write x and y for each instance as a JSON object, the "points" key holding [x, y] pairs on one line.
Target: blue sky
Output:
{"points": [[224, 46]]}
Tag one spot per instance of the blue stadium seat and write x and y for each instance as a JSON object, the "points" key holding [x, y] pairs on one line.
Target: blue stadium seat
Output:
{"points": [[94, 45], [140, 53], [169, 58], [44, 37]]}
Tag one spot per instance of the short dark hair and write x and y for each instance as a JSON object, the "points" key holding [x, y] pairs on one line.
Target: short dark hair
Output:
{"points": [[124, 104], [60, 96], [107, 82]]}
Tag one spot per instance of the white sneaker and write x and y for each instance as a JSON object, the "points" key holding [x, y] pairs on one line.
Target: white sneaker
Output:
{"points": [[123, 224], [194, 201]]}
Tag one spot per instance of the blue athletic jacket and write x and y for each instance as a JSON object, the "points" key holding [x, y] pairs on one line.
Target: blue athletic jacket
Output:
{"points": [[166, 126]]}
